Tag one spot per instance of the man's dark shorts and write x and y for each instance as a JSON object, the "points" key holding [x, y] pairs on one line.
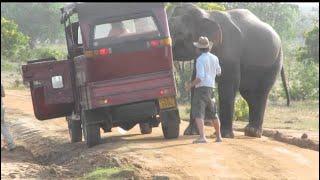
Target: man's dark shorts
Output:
{"points": [[202, 105]]}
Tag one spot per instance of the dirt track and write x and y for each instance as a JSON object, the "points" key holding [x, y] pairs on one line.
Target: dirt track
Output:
{"points": [[45, 152]]}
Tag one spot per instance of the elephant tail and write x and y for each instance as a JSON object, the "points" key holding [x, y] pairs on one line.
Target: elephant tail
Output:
{"points": [[284, 82]]}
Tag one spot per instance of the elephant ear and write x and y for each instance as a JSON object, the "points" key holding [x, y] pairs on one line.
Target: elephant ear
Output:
{"points": [[212, 30]]}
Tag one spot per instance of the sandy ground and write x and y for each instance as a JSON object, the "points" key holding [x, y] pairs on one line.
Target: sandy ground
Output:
{"points": [[44, 152]]}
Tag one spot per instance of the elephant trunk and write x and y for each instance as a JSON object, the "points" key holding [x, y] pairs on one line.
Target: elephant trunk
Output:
{"points": [[284, 82]]}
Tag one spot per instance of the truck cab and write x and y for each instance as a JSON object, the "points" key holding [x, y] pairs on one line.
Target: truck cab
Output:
{"points": [[119, 72]]}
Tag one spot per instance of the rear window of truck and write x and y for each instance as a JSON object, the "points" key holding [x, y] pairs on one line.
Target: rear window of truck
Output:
{"points": [[120, 31]]}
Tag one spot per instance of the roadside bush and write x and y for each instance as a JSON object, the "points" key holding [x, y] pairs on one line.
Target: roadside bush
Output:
{"points": [[241, 110], [277, 92], [8, 66], [14, 44], [305, 80], [46, 52]]}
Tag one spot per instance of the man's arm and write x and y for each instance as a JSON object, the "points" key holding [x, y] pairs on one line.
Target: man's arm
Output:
{"points": [[195, 82]]}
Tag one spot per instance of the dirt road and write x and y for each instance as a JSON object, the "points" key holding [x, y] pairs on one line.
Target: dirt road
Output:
{"points": [[44, 149]]}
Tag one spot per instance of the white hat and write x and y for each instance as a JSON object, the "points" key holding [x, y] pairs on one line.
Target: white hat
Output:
{"points": [[203, 42]]}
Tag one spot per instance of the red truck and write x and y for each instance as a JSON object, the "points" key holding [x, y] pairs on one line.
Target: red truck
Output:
{"points": [[119, 72]]}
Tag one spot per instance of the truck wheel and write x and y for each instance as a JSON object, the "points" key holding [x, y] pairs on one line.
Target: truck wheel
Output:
{"points": [[170, 122], [75, 130], [92, 135], [145, 128], [91, 132]]}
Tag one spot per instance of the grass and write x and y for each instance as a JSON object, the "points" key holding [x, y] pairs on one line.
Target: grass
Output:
{"points": [[12, 80], [102, 173], [9, 66], [301, 115]]}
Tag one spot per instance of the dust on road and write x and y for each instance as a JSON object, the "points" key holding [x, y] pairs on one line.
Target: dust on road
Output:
{"points": [[239, 158]]}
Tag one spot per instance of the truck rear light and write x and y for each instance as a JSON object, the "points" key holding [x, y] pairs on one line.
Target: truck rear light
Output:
{"points": [[162, 42], [155, 43], [166, 42], [104, 51], [161, 92], [101, 52], [104, 101], [164, 91], [89, 54]]}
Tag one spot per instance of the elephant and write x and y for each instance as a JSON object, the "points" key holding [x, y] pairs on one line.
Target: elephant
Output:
{"points": [[250, 55]]}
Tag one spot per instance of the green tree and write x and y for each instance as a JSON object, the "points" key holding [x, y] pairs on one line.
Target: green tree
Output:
{"points": [[305, 80], [40, 21], [14, 44], [304, 83], [312, 44], [283, 17]]}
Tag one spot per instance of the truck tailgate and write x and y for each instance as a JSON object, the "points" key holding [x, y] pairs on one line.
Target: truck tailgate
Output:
{"points": [[131, 89]]}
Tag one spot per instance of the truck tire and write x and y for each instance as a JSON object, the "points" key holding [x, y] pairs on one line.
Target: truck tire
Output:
{"points": [[92, 135], [75, 130], [170, 122], [145, 128], [91, 131]]}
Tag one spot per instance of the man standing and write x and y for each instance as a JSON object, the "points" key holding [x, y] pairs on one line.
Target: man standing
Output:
{"points": [[207, 67], [4, 129]]}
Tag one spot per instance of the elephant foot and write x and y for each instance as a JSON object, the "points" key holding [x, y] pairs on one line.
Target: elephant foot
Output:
{"points": [[252, 131], [227, 133], [191, 130]]}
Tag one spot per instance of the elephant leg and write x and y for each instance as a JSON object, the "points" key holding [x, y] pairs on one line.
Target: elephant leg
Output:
{"points": [[226, 110], [255, 92], [257, 103], [227, 88], [192, 127]]}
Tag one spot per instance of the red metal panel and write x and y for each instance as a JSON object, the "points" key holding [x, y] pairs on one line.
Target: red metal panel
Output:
{"points": [[132, 89], [44, 111], [119, 65], [48, 102]]}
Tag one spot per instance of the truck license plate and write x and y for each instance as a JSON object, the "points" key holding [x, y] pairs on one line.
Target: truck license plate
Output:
{"points": [[167, 102]]}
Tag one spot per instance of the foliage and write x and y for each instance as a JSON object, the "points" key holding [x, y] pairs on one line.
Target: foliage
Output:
{"points": [[7, 66], [241, 111], [14, 44], [311, 49], [46, 52], [183, 73], [305, 72], [282, 17], [40, 21], [306, 80], [211, 6]]}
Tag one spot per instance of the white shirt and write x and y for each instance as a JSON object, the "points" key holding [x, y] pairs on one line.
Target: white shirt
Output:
{"points": [[207, 68]]}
